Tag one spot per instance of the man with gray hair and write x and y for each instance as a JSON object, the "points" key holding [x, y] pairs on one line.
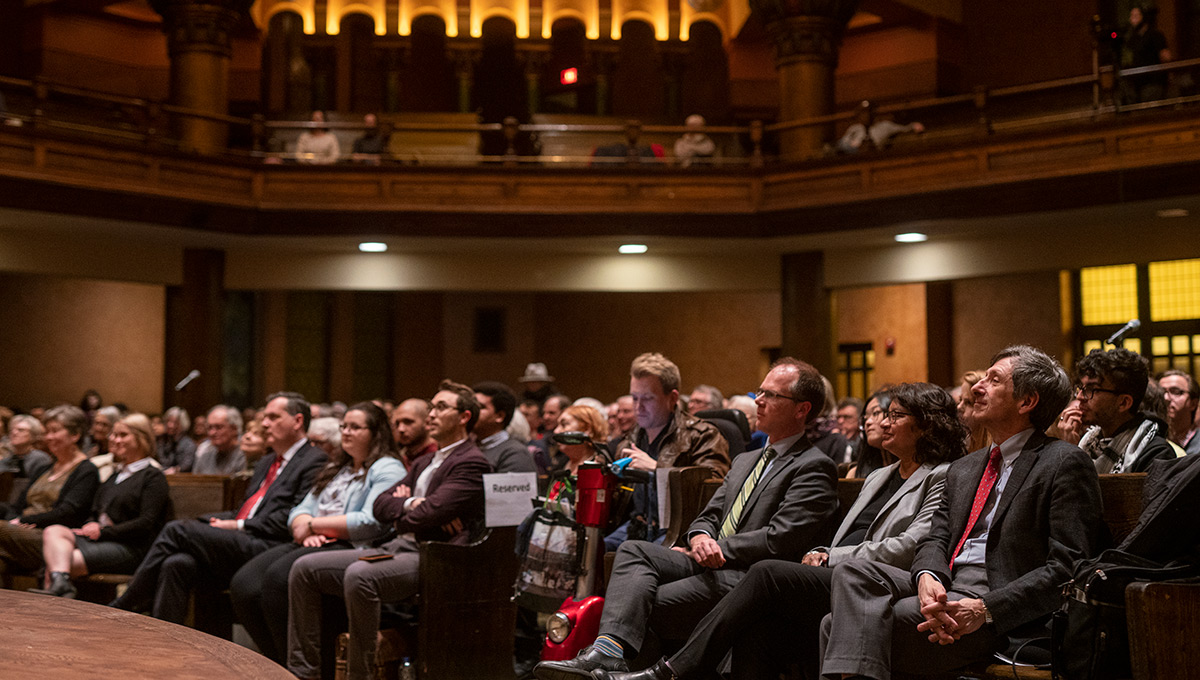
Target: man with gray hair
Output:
{"points": [[705, 398], [325, 433], [1013, 521], [176, 450], [220, 453]]}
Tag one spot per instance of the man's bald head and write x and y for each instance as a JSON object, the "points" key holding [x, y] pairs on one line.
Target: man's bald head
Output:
{"points": [[408, 422]]}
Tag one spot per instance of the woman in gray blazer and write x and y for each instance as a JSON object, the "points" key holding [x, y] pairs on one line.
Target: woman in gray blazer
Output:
{"points": [[772, 618]]}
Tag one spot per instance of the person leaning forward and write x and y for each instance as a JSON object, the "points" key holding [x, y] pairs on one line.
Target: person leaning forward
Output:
{"points": [[1013, 520], [775, 503]]}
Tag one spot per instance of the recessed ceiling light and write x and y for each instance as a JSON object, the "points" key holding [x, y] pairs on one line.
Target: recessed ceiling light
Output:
{"points": [[372, 247], [1173, 212], [911, 237], [632, 249]]}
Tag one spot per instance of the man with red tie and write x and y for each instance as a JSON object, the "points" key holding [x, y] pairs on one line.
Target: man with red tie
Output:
{"points": [[1013, 521], [207, 551]]}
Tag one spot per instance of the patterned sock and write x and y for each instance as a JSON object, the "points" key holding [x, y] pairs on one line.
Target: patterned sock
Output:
{"points": [[608, 646]]}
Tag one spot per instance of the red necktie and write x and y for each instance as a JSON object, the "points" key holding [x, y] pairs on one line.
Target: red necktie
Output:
{"points": [[990, 473], [252, 501]]}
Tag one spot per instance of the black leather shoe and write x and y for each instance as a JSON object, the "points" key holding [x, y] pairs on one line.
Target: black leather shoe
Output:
{"points": [[659, 671], [580, 667], [60, 586]]}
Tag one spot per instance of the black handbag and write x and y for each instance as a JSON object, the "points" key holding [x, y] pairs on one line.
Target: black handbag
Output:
{"points": [[1089, 640]]}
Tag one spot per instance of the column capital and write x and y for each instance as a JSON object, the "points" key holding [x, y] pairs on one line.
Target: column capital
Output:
{"points": [[805, 30], [201, 25]]}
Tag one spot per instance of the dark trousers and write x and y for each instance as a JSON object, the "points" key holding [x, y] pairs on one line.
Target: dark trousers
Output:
{"points": [[259, 594], [770, 620], [187, 553], [873, 629], [662, 587]]}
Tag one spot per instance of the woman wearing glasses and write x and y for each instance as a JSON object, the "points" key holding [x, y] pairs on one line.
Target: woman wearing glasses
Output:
{"points": [[336, 514], [771, 619]]}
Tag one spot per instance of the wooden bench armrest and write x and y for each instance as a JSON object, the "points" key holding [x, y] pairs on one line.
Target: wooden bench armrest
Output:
{"points": [[1162, 620], [690, 492]]}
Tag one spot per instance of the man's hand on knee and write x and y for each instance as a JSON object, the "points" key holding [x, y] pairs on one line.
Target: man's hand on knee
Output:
{"points": [[706, 551], [939, 623]]}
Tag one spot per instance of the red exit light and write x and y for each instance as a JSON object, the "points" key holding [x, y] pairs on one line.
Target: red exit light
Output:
{"points": [[569, 76]]}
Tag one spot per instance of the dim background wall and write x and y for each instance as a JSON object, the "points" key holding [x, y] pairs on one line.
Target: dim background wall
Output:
{"points": [[994, 312], [880, 312], [63, 336]]}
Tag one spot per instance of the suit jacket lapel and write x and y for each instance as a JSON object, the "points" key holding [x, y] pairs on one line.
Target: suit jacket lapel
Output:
{"points": [[910, 485], [777, 466], [869, 489], [1020, 470]]}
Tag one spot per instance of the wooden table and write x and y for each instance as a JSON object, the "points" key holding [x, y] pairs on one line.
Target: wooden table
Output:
{"points": [[49, 637]]}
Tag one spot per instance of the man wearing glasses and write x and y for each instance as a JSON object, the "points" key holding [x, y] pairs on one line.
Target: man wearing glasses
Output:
{"points": [[1182, 396], [1110, 389], [444, 503], [775, 503]]}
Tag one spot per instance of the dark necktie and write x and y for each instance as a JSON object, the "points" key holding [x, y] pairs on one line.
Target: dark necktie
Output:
{"points": [[990, 474]]}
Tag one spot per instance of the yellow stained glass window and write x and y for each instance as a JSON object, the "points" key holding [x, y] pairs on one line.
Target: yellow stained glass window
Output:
{"points": [[1160, 346], [1091, 345], [1179, 344], [1133, 345], [1160, 364], [1175, 290], [842, 387], [1109, 294]]}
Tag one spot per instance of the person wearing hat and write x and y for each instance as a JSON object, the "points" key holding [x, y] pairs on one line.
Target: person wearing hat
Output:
{"points": [[537, 382]]}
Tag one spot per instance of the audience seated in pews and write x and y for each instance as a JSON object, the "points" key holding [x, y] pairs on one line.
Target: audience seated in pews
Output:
{"points": [[129, 510], [62, 494], [220, 453], [176, 450], [337, 514], [1111, 385]]}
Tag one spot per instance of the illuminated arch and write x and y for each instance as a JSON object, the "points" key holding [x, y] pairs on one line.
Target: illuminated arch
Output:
{"points": [[516, 11], [443, 9], [687, 20], [265, 9], [336, 9], [653, 12], [587, 11]]}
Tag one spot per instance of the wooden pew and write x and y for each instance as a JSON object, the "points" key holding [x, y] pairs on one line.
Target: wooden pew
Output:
{"points": [[465, 614], [1162, 622]]}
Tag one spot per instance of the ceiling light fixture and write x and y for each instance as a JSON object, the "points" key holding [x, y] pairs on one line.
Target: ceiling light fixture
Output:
{"points": [[911, 237], [372, 247], [632, 249]]}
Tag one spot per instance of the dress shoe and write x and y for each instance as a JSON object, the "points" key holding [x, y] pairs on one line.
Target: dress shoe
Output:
{"points": [[579, 667], [659, 671], [60, 586]]}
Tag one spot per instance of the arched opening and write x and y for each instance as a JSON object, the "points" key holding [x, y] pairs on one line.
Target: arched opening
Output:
{"points": [[428, 81], [286, 77], [499, 83], [639, 88], [704, 87], [366, 73], [565, 91]]}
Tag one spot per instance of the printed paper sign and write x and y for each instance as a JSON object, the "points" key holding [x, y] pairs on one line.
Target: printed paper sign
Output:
{"points": [[507, 497]]}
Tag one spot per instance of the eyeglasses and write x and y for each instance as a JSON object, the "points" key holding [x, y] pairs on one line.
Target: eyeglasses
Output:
{"points": [[1086, 392], [1176, 391], [443, 406], [893, 416], [352, 427], [771, 394]]}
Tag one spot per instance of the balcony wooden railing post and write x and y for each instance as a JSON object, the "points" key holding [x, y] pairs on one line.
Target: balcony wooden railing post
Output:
{"points": [[756, 135], [633, 131], [511, 127], [258, 132], [41, 94], [981, 102], [154, 114]]}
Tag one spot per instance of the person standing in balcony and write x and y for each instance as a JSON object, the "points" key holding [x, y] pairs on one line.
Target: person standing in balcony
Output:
{"points": [[317, 146], [1143, 45]]}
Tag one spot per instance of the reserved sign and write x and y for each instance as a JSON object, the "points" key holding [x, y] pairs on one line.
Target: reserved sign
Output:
{"points": [[507, 497]]}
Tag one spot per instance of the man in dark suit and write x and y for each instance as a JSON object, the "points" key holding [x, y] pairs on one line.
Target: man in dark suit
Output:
{"points": [[1012, 522], [775, 503], [209, 550], [441, 501]]}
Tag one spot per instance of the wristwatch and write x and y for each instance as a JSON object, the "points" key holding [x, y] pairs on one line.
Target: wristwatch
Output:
{"points": [[987, 613]]}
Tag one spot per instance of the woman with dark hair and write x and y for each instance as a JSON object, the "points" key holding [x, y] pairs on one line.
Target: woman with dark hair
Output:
{"points": [[871, 456], [771, 619], [336, 514], [130, 509], [62, 494]]}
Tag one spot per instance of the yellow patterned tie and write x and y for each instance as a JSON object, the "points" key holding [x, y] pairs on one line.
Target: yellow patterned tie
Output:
{"points": [[729, 526]]}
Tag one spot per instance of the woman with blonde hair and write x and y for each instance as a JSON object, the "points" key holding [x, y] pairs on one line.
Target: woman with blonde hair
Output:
{"points": [[978, 437], [130, 509]]}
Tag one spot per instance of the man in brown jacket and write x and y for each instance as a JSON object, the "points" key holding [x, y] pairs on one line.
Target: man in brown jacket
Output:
{"points": [[665, 436]]}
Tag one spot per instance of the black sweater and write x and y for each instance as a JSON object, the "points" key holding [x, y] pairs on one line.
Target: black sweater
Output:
{"points": [[74, 500], [138, 507]]}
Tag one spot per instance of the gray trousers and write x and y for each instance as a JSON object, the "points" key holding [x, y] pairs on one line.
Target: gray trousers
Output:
{"points": [[363, 585], [873, 628]]}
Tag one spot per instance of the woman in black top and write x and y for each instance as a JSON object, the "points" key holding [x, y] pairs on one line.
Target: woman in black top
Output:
{"points": [[130, 509], [62, 494]]}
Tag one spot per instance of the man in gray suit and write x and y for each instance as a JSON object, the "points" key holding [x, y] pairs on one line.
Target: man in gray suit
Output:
{"points": [[1013, 521], [775, 503]]}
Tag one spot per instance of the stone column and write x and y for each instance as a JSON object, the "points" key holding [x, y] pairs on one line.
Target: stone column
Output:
{"points": [[194, 331], [807, 316], [807, 35], [199, 42]]}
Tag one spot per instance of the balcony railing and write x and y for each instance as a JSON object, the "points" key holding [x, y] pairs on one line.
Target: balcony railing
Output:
{"points": [[75, 111]]}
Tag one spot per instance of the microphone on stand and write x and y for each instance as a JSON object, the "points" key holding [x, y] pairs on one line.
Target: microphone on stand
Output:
{"points": [[1118, 338], [187, 379]]}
